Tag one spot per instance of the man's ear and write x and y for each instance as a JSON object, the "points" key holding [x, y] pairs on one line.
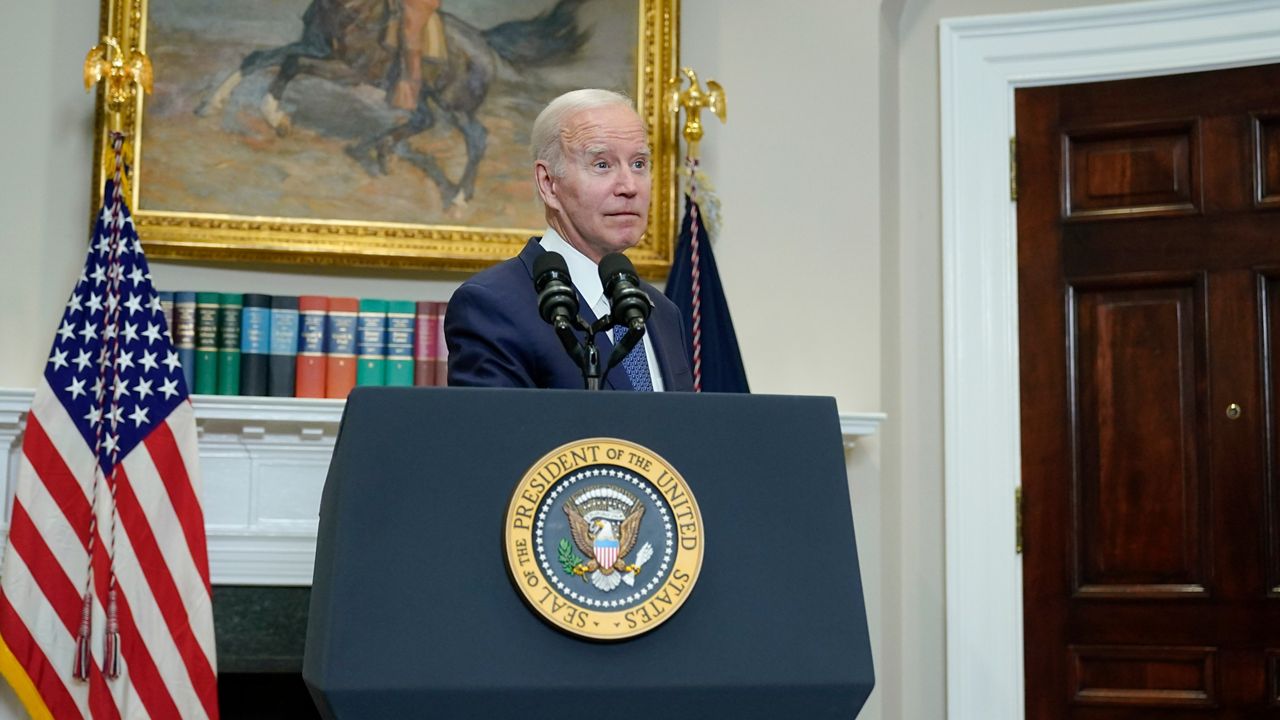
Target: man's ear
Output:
{"points": [[547, 189]]}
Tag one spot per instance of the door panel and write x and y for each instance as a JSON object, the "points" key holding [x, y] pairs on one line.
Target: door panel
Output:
{"points": [[1141, 676], [1149, 300], [1127, 170], [1269, 286], [1139, 486]]}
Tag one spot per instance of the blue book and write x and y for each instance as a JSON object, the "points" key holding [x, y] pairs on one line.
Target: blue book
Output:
{"points": [[283, 364], [255, 341]]}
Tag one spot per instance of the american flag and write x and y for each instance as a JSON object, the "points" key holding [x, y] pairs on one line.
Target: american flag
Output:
{"points": [[109, 473]]}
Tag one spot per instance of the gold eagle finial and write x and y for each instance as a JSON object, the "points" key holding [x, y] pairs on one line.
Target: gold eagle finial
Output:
{"points": [[693, 99], [123, 72]]}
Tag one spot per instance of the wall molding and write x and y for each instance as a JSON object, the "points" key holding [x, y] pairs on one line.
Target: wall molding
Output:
{"points": [[982, 60], [263, 463]]}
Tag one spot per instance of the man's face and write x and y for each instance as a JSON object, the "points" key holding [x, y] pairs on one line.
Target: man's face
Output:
{"points": [[601, 203]]}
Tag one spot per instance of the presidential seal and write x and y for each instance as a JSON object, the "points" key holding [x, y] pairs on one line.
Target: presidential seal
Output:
{"points": [[603, 539]]}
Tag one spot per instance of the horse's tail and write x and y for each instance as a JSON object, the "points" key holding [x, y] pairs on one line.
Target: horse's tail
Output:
{"points": [[550, 37]]}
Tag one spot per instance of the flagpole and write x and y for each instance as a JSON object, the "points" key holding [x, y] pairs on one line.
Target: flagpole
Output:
{"points": [[693, 100], [121, 73]]}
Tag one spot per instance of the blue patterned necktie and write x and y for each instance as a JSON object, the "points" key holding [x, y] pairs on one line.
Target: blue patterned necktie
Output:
{"points": [[636, 363]]}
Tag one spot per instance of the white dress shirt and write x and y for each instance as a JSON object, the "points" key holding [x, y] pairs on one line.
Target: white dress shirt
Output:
{"points": [[586, 278]]}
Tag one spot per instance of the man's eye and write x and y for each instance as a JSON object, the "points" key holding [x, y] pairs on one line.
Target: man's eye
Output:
{"points": [[640, 164], [601, 164]]}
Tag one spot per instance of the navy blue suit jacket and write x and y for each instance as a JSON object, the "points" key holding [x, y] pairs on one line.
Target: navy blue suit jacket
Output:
{"points": [[497, 339]]}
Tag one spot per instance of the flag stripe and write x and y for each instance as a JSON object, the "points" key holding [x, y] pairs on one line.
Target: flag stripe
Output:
{"points": [[31, 550], [153, 695], [166, 594], [146, 481], [61, 598], [152, 500], [164, 452], [53, 694], [13, 671], [152, 691], [45, 570], [57, 479]]}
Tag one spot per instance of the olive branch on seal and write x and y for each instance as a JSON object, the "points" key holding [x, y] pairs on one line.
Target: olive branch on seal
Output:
{"points": [[568, 558]]}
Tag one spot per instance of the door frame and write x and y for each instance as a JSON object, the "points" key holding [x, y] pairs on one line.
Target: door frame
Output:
{"points": [[982, 61]]}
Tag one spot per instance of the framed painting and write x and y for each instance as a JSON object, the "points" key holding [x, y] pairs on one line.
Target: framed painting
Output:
{"points": [[373, 133]]}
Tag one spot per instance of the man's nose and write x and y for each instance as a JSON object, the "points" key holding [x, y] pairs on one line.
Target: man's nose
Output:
{"points": [[627, 183]]}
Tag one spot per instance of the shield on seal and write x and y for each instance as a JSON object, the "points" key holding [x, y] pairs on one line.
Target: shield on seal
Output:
{"points": [[606, 551]]}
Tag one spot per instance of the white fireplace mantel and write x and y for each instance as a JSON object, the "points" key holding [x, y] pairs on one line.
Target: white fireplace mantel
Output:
{"points": [[263, 464]]}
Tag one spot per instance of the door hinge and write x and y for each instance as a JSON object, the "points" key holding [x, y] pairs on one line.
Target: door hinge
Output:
{"points": [[1017, 510], [1013, 169]]}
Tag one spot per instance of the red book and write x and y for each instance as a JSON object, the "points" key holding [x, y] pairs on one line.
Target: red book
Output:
{"points": [[340, 347], [441, 348], [312, 319], [424, 371]]}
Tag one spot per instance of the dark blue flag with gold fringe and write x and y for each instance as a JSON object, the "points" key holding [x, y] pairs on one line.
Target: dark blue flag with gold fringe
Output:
{"points": [[694, 286]]}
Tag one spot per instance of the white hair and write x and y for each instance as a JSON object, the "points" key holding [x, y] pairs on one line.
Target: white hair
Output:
{"points": [[544, 141]]}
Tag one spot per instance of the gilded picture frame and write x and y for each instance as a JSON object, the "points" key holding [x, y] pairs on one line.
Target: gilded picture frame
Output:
{"points": [[187, 168]]}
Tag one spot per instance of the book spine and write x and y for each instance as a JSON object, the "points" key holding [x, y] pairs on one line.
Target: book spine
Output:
{"points": [[229, 343], [442, 348], [313, 312], [166, 311], [340, 347], [184, 330], [371, 343], [206, 343], [255, 343], [283, 348], [424, 373], [400, 322]]}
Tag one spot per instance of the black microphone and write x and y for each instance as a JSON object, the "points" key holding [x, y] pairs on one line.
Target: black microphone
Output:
{"points": [[629, 305], [557, 300]]}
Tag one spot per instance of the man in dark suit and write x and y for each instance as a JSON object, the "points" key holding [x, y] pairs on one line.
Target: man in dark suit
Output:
{"points": [[591, 165]]}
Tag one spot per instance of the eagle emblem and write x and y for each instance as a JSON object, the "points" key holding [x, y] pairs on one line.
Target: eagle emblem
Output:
{"points": [[605, 523]]}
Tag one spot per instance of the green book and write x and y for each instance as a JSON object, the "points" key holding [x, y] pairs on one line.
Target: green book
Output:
{"points": [[371, 343], [206, 370], [401, 315], [229, 343]]}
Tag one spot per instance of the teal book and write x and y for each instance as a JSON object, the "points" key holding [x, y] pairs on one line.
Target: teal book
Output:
{"points": [[401, 315], [206, 369], [371, 343], [255, 343], [229, 343]]}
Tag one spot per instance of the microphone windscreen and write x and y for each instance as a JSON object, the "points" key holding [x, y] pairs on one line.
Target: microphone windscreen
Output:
{"points": [[549, 261], [614, 264]]}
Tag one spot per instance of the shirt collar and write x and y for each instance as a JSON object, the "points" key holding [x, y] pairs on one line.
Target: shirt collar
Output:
{"points": [[584, 273]]}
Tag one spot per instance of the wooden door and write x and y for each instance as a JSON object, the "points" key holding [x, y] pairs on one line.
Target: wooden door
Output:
{"points": [[1149, 308]]}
